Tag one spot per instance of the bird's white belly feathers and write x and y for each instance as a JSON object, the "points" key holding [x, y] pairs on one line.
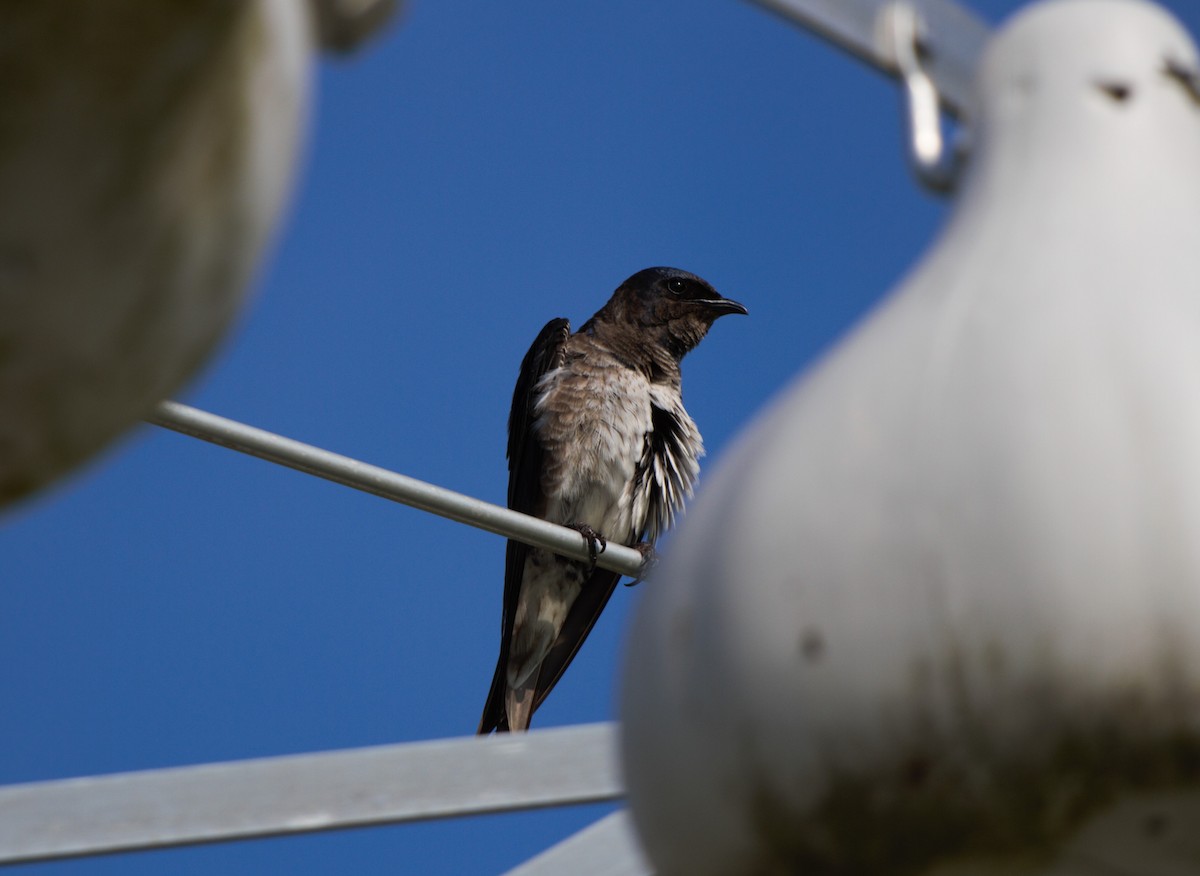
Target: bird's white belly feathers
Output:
{"points": [[601, 421]]}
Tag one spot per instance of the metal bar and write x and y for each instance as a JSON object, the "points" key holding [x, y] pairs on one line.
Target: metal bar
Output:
{"points": [[389, 485], [310, 792], [608, 847], [952, 37]]}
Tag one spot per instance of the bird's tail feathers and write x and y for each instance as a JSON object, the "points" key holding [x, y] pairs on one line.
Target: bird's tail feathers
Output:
{"points": [[518, 703]]}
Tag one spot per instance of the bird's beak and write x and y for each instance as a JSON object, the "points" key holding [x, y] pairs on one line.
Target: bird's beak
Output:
{"points": [[722, 306]]}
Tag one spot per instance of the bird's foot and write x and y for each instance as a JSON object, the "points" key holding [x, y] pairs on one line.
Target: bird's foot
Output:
{"points": [[649, 561], [597, 544]]}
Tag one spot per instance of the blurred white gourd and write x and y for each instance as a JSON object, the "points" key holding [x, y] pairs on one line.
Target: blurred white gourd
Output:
{"points": [[938, 611]]}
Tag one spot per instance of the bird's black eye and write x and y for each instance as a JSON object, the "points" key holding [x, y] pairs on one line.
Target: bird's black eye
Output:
{"points": [[677, 286]]}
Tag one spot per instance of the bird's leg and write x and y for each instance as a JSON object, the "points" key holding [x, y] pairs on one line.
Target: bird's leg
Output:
{"points": [[649, 561], [597, 544]]}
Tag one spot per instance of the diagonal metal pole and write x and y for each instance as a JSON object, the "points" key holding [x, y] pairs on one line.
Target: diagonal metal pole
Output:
{"points": [[608, 847], [952, 37], [275, 796], [389, 485]]}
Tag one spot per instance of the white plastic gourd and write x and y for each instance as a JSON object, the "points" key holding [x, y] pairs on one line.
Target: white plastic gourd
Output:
{"points": [[938, 610], [145, 155]]}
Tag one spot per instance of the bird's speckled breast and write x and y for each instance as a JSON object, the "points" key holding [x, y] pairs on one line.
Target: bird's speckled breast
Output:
{"points": [[592, 419]]}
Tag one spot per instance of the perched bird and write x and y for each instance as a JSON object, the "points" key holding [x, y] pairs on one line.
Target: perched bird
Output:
{"points": [[598, 439]]}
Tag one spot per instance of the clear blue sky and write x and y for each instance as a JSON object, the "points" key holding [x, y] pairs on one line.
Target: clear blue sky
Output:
{"points": [[482, 168]]}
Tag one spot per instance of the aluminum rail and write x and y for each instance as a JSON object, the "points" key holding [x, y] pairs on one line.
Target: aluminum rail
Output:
{"points": [[607, 847], [304, 793], [952, 37], [390, 485]]}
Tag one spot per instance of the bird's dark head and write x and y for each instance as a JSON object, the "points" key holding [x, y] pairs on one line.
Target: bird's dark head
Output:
{"points": [[666, 307]]}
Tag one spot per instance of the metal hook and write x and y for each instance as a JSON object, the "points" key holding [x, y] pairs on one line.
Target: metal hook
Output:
{"points": [[935, 166]]}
